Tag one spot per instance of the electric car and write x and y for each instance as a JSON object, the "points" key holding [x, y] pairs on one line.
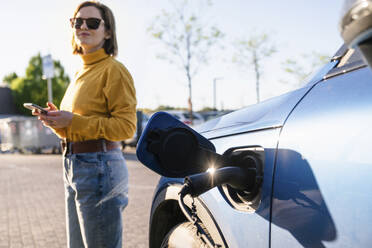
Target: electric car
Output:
{"points": [[292, 171]]}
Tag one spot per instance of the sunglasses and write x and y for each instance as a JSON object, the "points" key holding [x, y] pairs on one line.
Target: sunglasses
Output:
{"points": [[92, 23]]}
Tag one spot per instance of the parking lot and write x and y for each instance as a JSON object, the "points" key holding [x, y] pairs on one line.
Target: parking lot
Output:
{"points": [[32, 202]]}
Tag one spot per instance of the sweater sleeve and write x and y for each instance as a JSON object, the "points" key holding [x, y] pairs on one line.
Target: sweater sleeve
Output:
{"points": [[120, 124]]}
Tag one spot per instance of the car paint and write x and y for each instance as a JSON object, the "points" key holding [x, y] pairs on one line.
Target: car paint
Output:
{"points": [[324, 167], [317, 165]]}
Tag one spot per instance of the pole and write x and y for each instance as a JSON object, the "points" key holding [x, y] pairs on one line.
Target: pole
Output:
{"points": [[50, 93], [48, 73]]}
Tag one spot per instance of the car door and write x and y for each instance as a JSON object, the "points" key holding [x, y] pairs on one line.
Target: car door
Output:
{"points": [[322, 179]]}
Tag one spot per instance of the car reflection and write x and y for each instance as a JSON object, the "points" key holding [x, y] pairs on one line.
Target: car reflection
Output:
{"points": [[298, 205]]}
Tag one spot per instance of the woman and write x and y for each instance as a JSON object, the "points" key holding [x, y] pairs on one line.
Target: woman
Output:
{"points": [[97, 110]]}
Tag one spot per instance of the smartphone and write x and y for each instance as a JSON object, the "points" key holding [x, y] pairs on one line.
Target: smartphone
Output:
{"points": [[33, 106]]}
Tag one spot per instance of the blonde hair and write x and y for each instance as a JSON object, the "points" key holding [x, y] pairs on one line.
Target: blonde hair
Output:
{"points": [[111, 44]]}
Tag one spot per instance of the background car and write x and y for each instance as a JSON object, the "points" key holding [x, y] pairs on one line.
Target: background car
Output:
{"points": [[184, 116], [309, 151], [142, 120], [209, 115]]}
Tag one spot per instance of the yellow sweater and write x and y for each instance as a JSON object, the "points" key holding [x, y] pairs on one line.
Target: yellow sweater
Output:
{"points": [[102, 99]]}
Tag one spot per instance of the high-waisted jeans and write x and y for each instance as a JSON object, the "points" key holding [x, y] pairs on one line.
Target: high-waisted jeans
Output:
{"points": [[96, 190]]}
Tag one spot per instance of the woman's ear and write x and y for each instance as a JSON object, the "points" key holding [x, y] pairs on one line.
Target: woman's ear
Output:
{"points": [[107, 35]]}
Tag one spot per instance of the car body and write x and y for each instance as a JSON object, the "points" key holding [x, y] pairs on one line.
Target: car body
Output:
{"points": [[314, 144], [184, 116], [309, 150]]}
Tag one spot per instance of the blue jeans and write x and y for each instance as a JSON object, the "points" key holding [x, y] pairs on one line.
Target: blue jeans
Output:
{"points": [[96, 191]]}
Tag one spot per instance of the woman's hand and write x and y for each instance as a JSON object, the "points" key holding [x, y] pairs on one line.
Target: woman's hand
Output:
{"points": [[50, 107], [54, 118], [57, 119]]}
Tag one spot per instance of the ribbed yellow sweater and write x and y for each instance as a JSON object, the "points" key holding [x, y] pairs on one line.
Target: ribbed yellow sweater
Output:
{"points": [[103, 100]]}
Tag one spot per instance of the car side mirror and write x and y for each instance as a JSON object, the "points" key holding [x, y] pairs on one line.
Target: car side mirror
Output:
{"points": [[172, 149], [356, 26]]}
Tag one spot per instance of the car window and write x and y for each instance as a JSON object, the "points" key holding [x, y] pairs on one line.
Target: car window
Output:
{"points": [[351, 56], [196, 117], [349, 59], [187, 116], [176, 116]]}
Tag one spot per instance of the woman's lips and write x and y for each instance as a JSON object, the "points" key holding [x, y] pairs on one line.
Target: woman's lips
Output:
{"points": [[84, 34]]}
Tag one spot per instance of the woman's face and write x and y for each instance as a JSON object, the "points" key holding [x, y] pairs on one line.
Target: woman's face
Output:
{"points": [[90, 39]]}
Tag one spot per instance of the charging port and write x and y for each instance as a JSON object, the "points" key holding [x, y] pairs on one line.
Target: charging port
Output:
{"points": [[251, 158]]}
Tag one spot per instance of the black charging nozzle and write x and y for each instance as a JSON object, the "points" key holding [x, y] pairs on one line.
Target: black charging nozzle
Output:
{"points": [[237, 177]]}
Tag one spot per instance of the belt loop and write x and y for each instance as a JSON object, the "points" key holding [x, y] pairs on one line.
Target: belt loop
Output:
{"points": [[104, 148]]}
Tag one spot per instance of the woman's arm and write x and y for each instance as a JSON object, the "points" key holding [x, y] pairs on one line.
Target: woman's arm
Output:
{"points": [[120, 124]]}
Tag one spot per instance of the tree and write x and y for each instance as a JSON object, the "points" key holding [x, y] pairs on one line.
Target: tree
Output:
{"points": [[164, 108], [10, 77], [33, 88], [186, 38], [252, 52], [300, 69]]}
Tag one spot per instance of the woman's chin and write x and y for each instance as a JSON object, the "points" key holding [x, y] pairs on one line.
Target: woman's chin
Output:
{"points": [[83, 42]]}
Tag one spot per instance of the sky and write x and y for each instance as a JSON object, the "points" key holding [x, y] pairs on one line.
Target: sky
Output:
{"points": [[295, 27]]}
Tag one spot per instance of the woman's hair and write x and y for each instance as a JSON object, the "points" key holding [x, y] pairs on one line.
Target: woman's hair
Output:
{"points": [[111, 44]]}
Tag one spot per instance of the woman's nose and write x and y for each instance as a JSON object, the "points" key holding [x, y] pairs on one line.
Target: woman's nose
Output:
{"points": [[84, 25]]}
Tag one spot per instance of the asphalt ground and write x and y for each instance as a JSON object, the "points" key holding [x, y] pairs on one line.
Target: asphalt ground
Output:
{"points": [[32, 212]]}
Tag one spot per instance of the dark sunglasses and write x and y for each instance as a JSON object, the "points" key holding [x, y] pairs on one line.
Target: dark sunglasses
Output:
{"points": [[92, 23]]}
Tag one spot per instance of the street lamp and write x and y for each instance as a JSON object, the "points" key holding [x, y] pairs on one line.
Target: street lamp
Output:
{"points": [[214, 91]]}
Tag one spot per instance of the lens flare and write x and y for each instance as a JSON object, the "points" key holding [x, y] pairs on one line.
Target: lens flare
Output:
{"points": [[211, 170]]}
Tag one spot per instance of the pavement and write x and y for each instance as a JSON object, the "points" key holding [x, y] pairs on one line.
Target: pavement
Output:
{"points": [[32, 212]]}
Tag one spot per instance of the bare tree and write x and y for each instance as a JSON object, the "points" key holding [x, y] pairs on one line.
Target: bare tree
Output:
{"points": [[252, 52], [187, 38]]}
